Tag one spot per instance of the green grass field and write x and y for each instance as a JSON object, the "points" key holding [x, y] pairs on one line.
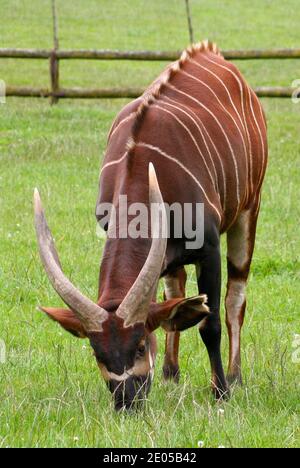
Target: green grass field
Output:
{"points": [[50, 387]]}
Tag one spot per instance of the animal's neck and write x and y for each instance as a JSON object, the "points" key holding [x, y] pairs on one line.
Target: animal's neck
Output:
{"points": [[122, 261]]}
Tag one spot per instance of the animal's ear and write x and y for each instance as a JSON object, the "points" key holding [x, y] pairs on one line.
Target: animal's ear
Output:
{"points": [[67, 319], [177, 314]]}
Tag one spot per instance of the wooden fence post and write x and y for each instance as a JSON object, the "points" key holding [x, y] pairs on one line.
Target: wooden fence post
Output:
{"points": [[189, 20], [54, 61]]}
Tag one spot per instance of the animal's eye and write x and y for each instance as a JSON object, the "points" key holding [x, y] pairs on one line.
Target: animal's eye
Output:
{"points": [[141, 351]]}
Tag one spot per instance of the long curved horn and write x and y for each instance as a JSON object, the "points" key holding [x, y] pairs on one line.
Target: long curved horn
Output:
{"points": [[90, 314], [134, 307]]}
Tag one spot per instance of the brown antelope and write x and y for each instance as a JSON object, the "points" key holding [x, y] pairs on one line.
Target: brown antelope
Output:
{"points": [[204, 131]]}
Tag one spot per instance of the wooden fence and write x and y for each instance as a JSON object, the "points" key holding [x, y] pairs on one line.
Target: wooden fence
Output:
{"points": [[54, 56]]}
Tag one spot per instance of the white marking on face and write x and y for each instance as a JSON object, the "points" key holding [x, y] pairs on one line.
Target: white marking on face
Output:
{"points": [[128, 373], [141, 367], [151, 363]]}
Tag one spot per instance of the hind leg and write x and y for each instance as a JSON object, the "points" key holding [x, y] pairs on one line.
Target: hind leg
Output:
{"points": [[174, 287], [240, 245]]}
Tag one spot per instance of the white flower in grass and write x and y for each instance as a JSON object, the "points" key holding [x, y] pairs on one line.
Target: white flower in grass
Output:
{"points": [[200, 443], [76, 439], [221, 413], [221, 446]]}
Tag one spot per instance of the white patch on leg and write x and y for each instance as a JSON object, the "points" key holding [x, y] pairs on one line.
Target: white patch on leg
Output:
{"points": [[172, 287], [234, 301], [236, 295], [238, 240]]}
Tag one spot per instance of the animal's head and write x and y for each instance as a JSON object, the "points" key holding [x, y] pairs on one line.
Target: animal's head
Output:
{"points": [[122, 338]]}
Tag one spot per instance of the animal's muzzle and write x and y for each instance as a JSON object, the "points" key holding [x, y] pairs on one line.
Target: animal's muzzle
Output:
{"points": [[130, 393]]}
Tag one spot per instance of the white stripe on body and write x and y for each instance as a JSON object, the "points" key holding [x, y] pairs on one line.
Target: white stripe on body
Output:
{"points": [[260, 136], [117, 161], [112, 163], [179, 163], [243, 111], [224, 86], [192, 137], [154, 148], [177, 105], [225, 110], [126, 119], [224, 133]]}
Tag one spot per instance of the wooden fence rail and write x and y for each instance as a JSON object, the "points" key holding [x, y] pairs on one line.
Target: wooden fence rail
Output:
{"points": [[55, 55], [106, 54], [91, 93]]}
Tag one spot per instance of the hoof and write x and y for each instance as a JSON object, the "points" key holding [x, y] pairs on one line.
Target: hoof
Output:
{"points": [[221, 394], [234, 380], [171, 372], [220, 389]]}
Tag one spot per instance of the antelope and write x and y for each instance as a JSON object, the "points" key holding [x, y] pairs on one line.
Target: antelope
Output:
{"points": [[197, 135]]}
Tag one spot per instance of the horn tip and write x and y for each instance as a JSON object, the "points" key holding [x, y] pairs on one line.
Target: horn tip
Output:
{"points": [[152, 174], [46, 310], [151, 168], [37, 201]]}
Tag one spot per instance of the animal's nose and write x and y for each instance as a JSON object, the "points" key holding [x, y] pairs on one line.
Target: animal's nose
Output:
{"points": [[121, 405], [130, 393]]}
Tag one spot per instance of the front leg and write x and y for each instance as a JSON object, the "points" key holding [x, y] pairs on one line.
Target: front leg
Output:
{"points": [[209, 282], [174, 287]]}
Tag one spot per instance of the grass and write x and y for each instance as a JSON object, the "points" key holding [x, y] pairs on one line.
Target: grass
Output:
{"points": [[51, 392]]}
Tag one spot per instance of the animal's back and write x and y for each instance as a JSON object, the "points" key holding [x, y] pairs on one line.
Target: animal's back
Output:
{"points": [[204, 129]]}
